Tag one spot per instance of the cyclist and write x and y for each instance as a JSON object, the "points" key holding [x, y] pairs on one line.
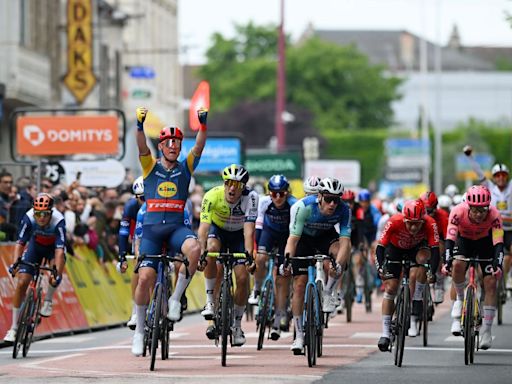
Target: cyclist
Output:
{"points": [[272, 230], [42, 235], [501, 198], [166, 182], [228, 216], [312, 223], [475, 229], [126, 232], [371, 215], [311, 185], [411, 235], [451, 190]]}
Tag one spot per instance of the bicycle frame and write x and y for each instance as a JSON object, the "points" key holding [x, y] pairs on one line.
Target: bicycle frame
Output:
{"points": [[266, 302]]}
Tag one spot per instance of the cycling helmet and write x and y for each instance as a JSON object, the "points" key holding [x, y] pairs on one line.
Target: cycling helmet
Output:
{"points": [[138, 186], [429, 200], [499, 168], [170, 133], [330, 185], [311, 184], [364, 195], [348, 195], [43, 202], [414, 209], [457, 199], [444, 201], [478, 196], [278, 183], [399, 204], [235, 172], [451, 190]]}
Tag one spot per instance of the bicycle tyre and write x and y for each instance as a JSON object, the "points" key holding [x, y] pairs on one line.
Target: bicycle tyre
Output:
{"points": [[404, 324], [226, 317], [310, 328], [349, 296], [367, 290], [264, 313], [157, 318], [426, 297], [31, 326], [22, 323], [396, 323], [499, 301], [468, 324], [320, 323], [164, 338]]}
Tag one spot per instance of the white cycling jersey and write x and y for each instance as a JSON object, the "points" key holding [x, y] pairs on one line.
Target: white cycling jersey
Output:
{"points": [[502, 200]]}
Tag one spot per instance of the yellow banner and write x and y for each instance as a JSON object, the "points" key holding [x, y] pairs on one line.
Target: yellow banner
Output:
{"points": [[80, 78]]}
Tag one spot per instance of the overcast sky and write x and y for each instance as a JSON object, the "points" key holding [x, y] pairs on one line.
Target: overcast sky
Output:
{"points": [[480, 22]]}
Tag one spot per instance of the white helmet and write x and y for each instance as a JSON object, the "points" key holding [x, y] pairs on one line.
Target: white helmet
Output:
{"points": [[138, 186], [457, 199], [499, 167], [311, 184], [444, 201], [330, 185], [451, 190]]}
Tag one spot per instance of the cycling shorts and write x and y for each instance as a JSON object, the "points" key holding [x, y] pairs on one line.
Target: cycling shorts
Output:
{"points": [[480, 249], [35, 254], [397, 254], [270, 240], [311, 245], [231, 241]]}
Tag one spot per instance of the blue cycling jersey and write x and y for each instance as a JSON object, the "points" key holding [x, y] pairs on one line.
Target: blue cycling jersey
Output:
{"points": [[142, 212], [51, 236], [271, 217], [127, 225]]}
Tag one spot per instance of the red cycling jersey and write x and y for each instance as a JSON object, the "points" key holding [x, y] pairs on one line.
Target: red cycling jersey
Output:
{"points": [[397, 234], [441, 218], [460, 224]]}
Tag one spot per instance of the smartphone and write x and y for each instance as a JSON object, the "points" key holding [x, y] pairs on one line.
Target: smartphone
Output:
{"points": [[78, 175]]}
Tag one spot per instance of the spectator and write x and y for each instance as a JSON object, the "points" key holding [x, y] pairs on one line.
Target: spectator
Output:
{"points": [[23, 200], [8, 230]]}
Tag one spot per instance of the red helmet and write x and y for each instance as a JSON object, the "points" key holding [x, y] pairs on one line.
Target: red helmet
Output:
{"points": [[429, 200], [170, 133], [414, 209], [348, 195], [43, 202], [478, 196]]}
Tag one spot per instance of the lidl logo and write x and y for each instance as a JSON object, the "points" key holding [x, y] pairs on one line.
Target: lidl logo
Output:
{"points": [[167, 189]]}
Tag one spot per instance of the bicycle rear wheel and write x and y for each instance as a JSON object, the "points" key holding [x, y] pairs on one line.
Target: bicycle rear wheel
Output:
{"points": [[264, 313], [468, 322], [23, 321], [403, 324], [319, 322], [500, 298], [310, 327], [157, 319], [426, 300], [226, 319], [32, 324], [349, 295], [367, 289], [395, 324]]}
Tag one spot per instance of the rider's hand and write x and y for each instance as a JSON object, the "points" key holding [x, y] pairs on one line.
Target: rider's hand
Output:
{"points": [[336, 270], [446, 269], [55, 281], [250, 265], [141, 116], [497, 272], [468, 149], [202, 262], [122, 265], [202, 115]]}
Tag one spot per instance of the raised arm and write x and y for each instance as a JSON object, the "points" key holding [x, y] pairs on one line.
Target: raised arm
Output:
{"points": [[468, 150], [202, 115], [141, 136]]}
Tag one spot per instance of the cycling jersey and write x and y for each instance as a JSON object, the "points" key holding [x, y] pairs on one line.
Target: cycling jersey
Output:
{"points": [[305, 217], [441, 218], [502, 200], [140, 221], [370, 222], [166, 190], [396, 233], [460, 225], [128, 222], [229, 217], [273, 218]]}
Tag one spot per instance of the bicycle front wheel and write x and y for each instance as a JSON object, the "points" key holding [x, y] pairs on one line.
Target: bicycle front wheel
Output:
{"points": [[319, 321], [469, 333], [226, 319], [500, 298], [157, 318], [426, 309], [403, 324], [23, 323], [34, 319], [264, 313], [310, 327]]}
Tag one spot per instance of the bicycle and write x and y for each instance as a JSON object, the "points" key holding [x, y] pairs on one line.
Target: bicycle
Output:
{"points": [[501, 299], [401, 316], [312, 314], [428, 307], [156, 325], [349, 291], [471, 318], [29, 317], [223, 316], [266, 303]]}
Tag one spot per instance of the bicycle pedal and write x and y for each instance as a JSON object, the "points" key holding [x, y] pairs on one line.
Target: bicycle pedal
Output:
{"points": [[298, 353]]}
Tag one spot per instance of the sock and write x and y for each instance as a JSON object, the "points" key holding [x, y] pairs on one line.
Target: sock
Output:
{"points": [[134, 308], [141, 318], [331, 282], [439, 281], [459, 288], [359, 290], [277, 318], [239, 313], [386, 322], [418, 292], [49, 293], [181, 285], [414, 318], [210, 285], [15, 315], [297, 322], [489, 313]]}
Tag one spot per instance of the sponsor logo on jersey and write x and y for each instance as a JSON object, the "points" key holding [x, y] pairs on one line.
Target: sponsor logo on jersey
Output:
{"points": [[167, 189], [156, 205]]}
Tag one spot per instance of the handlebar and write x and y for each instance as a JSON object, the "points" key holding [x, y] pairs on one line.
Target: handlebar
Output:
{"points": [[470, 259]]}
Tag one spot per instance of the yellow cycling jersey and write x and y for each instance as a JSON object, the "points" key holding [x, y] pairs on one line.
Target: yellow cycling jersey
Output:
{"points": [[230, 217]]}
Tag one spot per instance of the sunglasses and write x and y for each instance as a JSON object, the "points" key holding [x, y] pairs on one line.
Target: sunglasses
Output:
{"points": [[430, 211], [331, 199], [276, 194], [414, 222], [41, 214], [171, 143], [478, 209], [234, 183]]}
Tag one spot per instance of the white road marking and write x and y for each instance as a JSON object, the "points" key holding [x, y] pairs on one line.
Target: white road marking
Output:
{"points": [[366, 335], [65, 340], [35, 364], [459, 339]]}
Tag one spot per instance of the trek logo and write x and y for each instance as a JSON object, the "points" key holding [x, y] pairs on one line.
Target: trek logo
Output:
{"points": [[155, 205], [167, 189]]}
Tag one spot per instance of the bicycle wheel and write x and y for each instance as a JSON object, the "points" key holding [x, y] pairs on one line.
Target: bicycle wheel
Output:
{"points": [[324, 316], [310, 327], [157, 319], [395, 324], [226, 319], [264, 312], [23, 320], [500, 298], [349, 295], [164, 338], [319, 321], [468, 324], [367, 289], [403, 324], [32, 324], [424, 320]]}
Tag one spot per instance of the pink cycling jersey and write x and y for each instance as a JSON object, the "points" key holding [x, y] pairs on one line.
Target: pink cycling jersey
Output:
{"points": [[460, 224]]}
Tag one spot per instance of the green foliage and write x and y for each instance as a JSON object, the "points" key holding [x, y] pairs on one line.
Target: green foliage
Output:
{"points": [[503, 64]]}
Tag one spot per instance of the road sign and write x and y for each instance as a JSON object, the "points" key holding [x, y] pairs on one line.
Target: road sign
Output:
{"points": [[464, 168], [348, 171], [142, 72]]}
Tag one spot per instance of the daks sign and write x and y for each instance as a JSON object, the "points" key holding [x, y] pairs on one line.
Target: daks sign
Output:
{"points": [[67, 135]]}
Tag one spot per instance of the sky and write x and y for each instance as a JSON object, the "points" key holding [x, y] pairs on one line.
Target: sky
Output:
{"points": [[480, 22]]}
